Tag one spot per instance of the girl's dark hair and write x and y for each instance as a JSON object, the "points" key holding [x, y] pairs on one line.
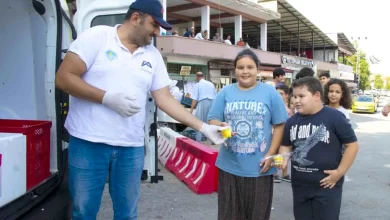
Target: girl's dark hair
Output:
{"points": [[247, 53], [289, 100], [346, 99]]}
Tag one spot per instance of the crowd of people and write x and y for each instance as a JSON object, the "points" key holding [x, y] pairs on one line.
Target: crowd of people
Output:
{"points": [[308, 124], [204, 35], [109, 71]]}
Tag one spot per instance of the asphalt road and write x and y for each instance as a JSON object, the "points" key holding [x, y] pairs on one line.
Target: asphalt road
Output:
{"points": [[366, 194]]}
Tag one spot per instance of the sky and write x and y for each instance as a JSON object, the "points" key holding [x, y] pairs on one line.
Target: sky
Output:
{"points": [[355, 18]]}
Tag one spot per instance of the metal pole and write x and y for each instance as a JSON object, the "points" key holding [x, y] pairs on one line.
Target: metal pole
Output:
{"points": [[323, 40], [280, 39], [299, 38], [312, 43]]}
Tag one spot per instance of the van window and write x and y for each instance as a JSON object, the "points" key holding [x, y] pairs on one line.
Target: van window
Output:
{"points": [[109, 20]]}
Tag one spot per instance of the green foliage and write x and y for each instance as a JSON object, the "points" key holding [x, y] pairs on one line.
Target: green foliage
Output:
{"points": [[387, 83], [378, 82], [363, 68]]}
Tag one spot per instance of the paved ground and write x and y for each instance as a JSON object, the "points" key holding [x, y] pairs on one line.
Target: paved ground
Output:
{"points": [[366, 195]]}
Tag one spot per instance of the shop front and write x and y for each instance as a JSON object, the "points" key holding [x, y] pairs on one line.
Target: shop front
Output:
{"points": [[293, 65], [347, 75]]}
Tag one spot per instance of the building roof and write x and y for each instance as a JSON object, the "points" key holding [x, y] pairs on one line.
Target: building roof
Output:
{"points": [[286, 29], [345, 45], [221, 11]]}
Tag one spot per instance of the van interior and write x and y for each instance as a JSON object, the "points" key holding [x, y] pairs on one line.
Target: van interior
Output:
{"points": [[30, 51]]}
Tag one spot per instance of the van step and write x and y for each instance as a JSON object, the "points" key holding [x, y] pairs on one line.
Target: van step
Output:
{"points": [[57, 206]]}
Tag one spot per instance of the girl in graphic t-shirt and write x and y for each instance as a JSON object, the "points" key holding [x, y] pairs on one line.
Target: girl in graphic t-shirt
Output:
{"points": [[252, 109], [337, 95]]}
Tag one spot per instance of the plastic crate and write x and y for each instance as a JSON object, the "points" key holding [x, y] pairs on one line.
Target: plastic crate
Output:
{"points": [[38, 147]]}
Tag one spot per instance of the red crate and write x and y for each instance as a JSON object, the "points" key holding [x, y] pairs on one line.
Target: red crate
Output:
{"points": [[38, 147]]}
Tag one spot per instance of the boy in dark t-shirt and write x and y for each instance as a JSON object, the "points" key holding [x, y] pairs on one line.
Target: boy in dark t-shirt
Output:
{"points": [[315, 137]]}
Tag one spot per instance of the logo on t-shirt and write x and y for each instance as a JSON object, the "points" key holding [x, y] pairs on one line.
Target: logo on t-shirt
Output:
{"points": [[306, 141], [145, 63], [111, 55], [246, 118]]}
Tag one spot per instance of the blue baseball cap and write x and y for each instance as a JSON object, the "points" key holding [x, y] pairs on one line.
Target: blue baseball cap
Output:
{"points": [[153, 8]]}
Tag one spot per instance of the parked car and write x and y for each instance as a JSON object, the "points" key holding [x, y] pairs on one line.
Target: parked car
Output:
{"points": [[365, 103]]}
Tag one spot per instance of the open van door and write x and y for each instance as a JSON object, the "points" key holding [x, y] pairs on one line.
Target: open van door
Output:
{"points": [[91, 13], [34, 50]]}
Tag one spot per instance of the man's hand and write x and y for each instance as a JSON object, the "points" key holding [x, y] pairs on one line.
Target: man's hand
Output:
{"points": [[121, 103], [386, 110], [331, 180], [212, 132]]}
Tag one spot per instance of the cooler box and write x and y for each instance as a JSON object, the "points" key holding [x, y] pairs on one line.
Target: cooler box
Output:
{"points": [[37, 147], [12, 167]]}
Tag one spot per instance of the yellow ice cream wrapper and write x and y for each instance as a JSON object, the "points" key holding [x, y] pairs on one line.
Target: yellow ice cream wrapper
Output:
{"points": [[226, 132], [278, 159]]}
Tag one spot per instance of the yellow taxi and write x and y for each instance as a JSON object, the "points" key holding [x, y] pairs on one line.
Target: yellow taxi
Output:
{"points": [[365, 103]]}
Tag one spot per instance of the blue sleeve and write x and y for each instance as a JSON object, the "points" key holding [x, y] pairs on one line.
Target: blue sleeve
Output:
{"points": [[218, 107], [286, 140], [278, 110], [343, 128]]}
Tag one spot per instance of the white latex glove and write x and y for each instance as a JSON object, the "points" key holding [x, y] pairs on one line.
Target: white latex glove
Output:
{"points": [[121, 103], [213, 133]]}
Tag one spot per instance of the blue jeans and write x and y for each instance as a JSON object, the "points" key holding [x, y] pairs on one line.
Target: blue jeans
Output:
{"points": [[90, 164]]}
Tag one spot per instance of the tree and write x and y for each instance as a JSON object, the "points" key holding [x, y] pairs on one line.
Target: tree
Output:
{"points": [[378, 82], [363, 68], [387, 83]]}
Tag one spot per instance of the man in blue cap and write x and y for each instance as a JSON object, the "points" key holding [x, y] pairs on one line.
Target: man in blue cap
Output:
{"points": [[108, 71]]}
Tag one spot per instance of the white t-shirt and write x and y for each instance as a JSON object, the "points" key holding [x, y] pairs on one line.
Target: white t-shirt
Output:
{"points": [[199, 36], [111, 67], [344, 111]]}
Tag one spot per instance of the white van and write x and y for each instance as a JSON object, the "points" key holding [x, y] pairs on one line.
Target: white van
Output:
{"points": [[34, 38]]}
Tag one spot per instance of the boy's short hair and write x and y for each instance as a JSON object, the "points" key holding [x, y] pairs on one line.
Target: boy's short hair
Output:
{"points": [[327, 75], [278, 72], [284, 88], [312, 84], [305, 71]]}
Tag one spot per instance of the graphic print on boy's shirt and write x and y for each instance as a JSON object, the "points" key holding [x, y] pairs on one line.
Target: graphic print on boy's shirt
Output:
{"points": [[246, 118], [305, 137], [307, 141], [316, 142]]}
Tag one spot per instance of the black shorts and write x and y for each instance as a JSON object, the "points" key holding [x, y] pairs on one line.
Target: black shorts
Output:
{"points": [[317, 203]]}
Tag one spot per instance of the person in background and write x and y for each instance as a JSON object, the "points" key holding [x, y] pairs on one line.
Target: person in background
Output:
{"points": [[283, 90], [291, 102], [190, 33], [200, 36], [305, 71], [217, 38], [227, 40], [245, 179], [203, 95], [386, 110], [338, 96], [175, 91], [174, 33], [278, 77], [324, 77], [108, 73], [314, 138], [241, 42]]}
